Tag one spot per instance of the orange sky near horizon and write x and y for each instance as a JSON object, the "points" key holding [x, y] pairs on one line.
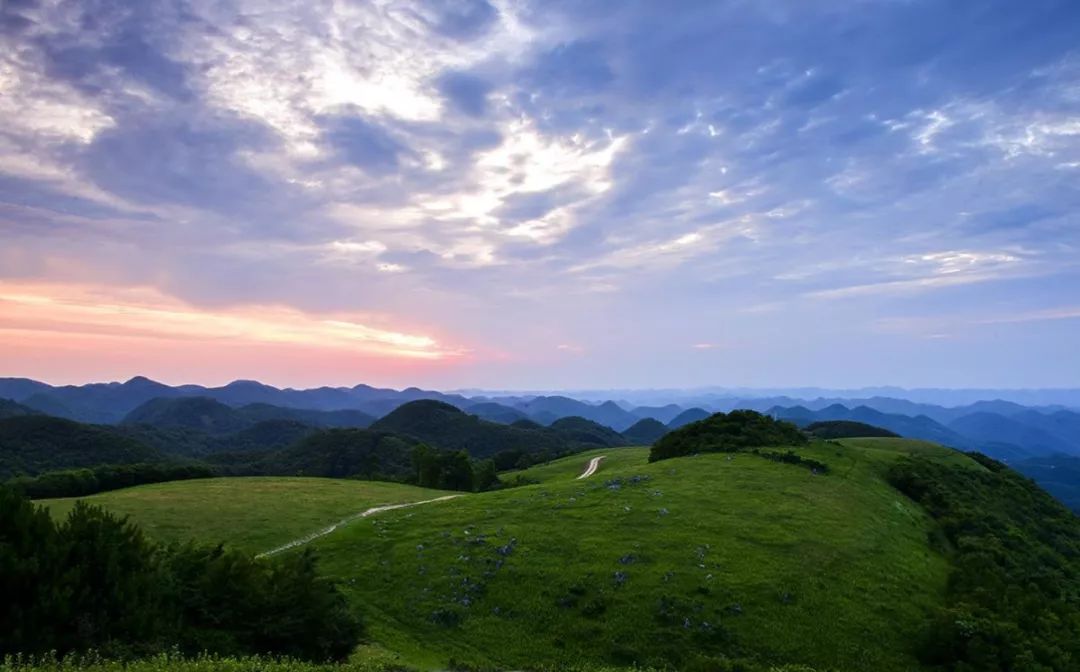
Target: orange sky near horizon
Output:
{"points": [[66, 333]]}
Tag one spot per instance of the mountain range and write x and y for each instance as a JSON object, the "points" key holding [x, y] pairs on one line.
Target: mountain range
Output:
{"points": [[1002, 428]]}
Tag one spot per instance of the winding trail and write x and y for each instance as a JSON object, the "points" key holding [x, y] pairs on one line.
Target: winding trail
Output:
{"points": [[345, 521], [594, 464]]}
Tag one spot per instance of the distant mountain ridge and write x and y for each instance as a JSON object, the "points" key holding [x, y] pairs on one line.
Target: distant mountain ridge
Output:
{"points": [[1002, 427]]}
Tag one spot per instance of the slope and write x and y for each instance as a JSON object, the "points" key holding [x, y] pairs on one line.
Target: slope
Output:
{"points": [[988, 427], [255, 514], [688, 416], [645, 431], [681, 562], [444, 426], [581, 430], [34, 444]]}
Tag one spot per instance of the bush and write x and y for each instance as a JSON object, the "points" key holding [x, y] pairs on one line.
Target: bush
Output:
{"points": [[82, 482], [1013, 597], [94, 582], [727, 433]]}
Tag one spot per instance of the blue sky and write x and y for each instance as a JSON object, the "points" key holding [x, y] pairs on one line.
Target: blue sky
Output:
{"points": [[542, 194]]}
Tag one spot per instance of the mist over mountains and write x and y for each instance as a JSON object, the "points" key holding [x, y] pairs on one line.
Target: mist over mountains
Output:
{"points": [[1037, 432], [991, 421]]}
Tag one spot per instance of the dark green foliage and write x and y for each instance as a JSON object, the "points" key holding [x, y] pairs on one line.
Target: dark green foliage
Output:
{"points": [[846, 429], [29, 553], [10, 409], [520, 459], [266, 434], [342, 453], [110, 577], [201, 413], [451, 470], [791, 457], [255, 413], [1013, 600], [493, 412], [485, 475], [645, 432], [181, 442], [35, 444], [445, 470], [688, 416], [91, 582], [196, 426], [82, 482], [727, 433], [580, 430], [231, 603], [94, 582], [1057, 474], [443, 426], [525, 423]]}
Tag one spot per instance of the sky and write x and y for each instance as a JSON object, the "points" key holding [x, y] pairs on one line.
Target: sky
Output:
{"points": [[541, 194]]}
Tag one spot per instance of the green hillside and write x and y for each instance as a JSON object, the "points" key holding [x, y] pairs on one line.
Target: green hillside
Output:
{"points": [[709, 562], [674, 562], [201, 413], [342, 453], [10, 409], [645, 431], [569, 468], [583, 431], [846, 429], [254, 514], [441, 425], [35, 444]]}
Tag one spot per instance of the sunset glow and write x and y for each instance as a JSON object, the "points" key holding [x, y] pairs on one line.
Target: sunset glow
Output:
{"points": [[531, 195], [139, 324]]}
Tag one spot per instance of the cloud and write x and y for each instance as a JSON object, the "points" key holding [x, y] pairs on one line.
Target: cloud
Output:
{"points": [[479, 164], [147, 314], [931, 270]]}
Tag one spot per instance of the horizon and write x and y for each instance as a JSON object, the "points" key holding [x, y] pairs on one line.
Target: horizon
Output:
{"points": [[596, 394], [545, 196]]}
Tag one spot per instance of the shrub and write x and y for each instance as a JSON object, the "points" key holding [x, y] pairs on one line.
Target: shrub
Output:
{"points": [[94, 582], [1013, 597], [727, 433]]}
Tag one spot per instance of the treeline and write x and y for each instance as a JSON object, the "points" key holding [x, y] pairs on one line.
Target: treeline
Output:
{"points": [[82, 482], [452, 470], [422, 465], [847, 429], [94, 582], [1013, 598], [727, 433], [50, 457]]}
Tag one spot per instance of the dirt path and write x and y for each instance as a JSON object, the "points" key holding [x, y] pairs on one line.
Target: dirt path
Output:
{"points": [[345, 521], [594, 464]]}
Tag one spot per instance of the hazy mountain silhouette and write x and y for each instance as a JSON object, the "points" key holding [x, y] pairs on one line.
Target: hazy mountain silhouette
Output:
{"points": [[645, 431], [688, 416]]}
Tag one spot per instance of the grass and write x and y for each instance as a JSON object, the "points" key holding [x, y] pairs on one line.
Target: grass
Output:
{"points": [[701, 555], [569, 468], [671, 564], [254, 514]]}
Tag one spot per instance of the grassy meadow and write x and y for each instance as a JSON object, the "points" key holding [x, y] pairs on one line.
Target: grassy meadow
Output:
{"points": [[254, 514], [643, 564], [686, 561], [569, 468]]}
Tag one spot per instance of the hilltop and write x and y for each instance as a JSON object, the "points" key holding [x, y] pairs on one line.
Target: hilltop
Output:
{"points": [[693, 562], [33, 444]]}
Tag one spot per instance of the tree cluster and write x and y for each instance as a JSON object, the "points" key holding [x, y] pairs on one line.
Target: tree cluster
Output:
{"points": [[94, 582], [452, 470], [727, 433], [82, 482], [846, 429], [1013, 598]]}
